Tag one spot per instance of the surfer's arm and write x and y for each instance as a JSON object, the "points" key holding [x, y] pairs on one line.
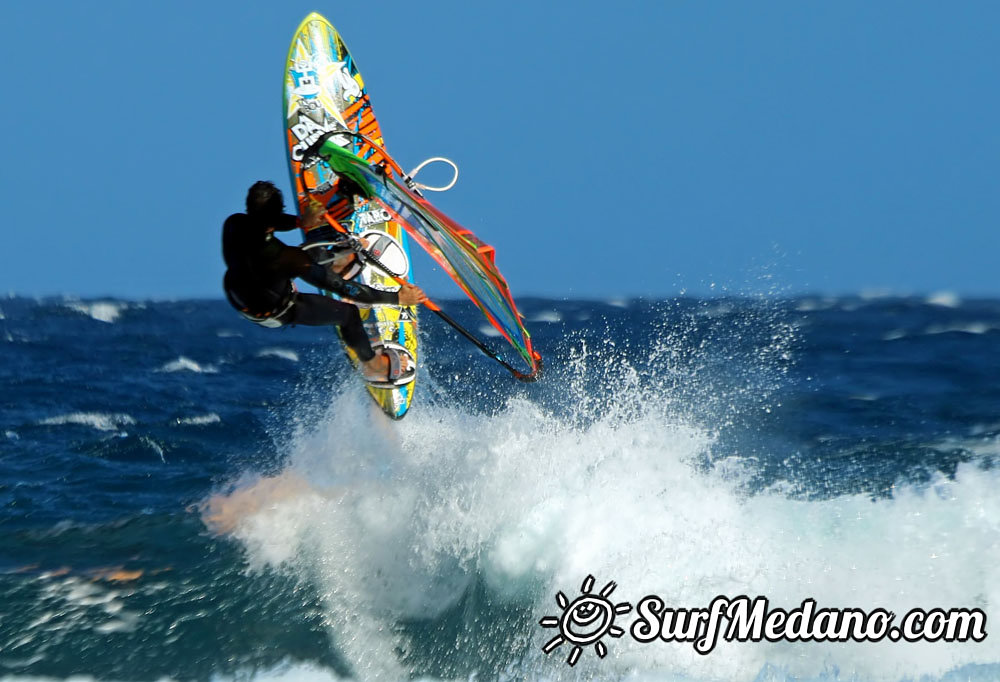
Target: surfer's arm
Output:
{"points": [[311, 217], [293, 262], [286, 223], [321, 277]]}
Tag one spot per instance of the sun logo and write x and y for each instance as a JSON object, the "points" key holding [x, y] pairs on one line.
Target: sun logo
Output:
{"points": [[585, 621]]}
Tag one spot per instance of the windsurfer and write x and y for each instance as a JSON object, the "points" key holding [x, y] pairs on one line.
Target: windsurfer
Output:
{"points": [[258, 282]]}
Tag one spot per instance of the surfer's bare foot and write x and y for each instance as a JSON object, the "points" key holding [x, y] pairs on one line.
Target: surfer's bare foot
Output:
{"points": [[379, 368], [376, 368]]}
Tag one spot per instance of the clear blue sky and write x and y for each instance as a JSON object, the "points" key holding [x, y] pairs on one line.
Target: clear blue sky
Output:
{"points": [[606, 148]]}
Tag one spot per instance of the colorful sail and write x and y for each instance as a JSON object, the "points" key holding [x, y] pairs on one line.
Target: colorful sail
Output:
{"points": [[468, 260]]}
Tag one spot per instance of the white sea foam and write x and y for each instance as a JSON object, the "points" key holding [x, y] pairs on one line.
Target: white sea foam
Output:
{"points": [[547, 316], [154, 446], [282, 353], [947, 299], [295, 672], [200, 420], [967, 328], [557, 670], [808, 305], [185, 364], [284, 672], [984, 447], [617, 302], [102, 311], [960, 328], [98, 420], [488, 330], [11, 435], [397, 524], [71, 604]]}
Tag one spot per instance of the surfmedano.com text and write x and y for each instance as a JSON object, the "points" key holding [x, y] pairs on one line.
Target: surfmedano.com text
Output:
{"points": [[741, 619]]}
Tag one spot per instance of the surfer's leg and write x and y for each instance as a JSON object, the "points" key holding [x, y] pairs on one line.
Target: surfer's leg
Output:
{"points": [[314, 310]]}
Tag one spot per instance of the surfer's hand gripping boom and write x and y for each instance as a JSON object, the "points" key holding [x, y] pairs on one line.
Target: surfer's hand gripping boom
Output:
{"points": [[313, 213], [410, 294], [408, 290]]}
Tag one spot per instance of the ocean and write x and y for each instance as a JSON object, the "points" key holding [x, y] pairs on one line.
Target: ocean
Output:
{"points": [[186, 496]]}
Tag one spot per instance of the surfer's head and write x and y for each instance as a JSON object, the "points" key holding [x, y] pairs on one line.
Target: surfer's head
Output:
{"points": [[264, 201]]}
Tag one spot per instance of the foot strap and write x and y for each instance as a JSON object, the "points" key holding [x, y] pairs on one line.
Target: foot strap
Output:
{"points": [[397, 376]]}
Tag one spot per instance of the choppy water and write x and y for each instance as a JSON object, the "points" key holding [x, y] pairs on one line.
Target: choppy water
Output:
{"points": [[186, 496]]}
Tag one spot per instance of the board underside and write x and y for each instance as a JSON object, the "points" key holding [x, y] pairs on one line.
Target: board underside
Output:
{"points": [[324, 93]]}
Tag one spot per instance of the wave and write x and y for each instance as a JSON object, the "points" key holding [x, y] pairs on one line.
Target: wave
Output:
{"points": [[282, 353], [809, 305], [974, 327], [185, 364], [530, 505], [547, 316], [967, 328], [409, 519], [98, 420], [984, 448], [946, 299], [102, 311], [286, 672], [200, 420], [70, 604]]}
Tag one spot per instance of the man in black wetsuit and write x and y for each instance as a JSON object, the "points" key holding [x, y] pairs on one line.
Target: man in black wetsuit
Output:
{"points": [[258, 282]]}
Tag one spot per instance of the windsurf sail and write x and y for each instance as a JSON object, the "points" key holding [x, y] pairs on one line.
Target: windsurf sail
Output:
{"points": [[467, 259]]}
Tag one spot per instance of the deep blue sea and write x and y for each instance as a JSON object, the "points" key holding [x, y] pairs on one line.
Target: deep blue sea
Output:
{"points": [[185, 496]]}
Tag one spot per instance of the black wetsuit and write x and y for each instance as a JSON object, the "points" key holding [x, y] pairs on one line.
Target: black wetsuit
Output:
{"points": [[259, 281]]}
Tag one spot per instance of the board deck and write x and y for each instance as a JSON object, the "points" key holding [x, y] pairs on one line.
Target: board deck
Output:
{"points": [[324, 93]]}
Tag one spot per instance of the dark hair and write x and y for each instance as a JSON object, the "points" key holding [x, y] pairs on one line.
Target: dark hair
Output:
{"points": [[264, 200]]}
